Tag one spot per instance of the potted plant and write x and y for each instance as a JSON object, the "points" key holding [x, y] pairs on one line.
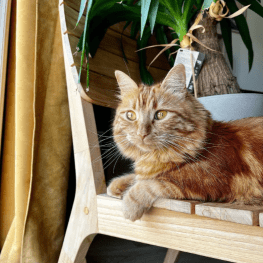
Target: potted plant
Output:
{"points": [[171, 20]]}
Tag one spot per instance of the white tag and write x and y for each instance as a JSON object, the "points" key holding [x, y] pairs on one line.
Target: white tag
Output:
{"points": [[184, 57]]}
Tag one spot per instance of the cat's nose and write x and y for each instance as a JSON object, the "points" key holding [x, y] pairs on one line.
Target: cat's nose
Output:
{"points": [[143, 131], [143, 136]]}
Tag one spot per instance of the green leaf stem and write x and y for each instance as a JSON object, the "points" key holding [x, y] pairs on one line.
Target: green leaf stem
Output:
{"points": [[141, 43], [242, 26], [226, 30]]}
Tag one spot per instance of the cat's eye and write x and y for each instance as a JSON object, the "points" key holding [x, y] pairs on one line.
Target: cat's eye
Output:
{"points": [[161, 114], [131, 115]]}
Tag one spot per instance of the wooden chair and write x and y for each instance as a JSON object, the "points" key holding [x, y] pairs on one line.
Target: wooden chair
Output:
{"points": [[94, 212]]}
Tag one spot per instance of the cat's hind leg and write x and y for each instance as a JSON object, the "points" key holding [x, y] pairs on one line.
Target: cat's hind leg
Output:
{"points": [[119, 185]]}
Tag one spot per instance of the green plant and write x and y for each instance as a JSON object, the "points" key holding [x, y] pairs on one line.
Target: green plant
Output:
{"points": [[151, 16]]}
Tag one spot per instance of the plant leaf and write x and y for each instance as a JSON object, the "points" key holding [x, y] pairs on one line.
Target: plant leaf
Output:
{"points": [[162, 18], [255, 6], [145, 7], [85, 43], [242, 26], [84, 40], [225, 25], [135, 29], [173, 7], [207, 4], [99, 26], [162, 39], [122, 48], [80, 43], [187, 14], [81, 10], [102, 7], [199, 3], [153, 13], [141, 43]]}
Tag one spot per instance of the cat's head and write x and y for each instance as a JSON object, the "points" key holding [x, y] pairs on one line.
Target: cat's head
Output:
{"points": [[162, 121]]}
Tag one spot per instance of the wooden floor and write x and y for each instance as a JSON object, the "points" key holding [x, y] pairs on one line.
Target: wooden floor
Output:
{"points": [[106, 249]]}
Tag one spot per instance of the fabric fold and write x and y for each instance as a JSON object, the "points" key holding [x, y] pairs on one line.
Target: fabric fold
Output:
{"points": [[39, 155]]}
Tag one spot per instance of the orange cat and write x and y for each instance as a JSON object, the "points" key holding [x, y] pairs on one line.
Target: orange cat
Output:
{"points": [[179, 151]]}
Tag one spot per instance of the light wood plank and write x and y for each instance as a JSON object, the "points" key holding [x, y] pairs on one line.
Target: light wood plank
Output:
{"points": [[83, 223], [183, 206], [5, 11], [171, 256], [105, 63], [242, 214], [261, 219], [189, 233]]}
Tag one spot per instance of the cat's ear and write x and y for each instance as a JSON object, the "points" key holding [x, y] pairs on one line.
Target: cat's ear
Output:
{"points": [[175, 80], [126, 84]]}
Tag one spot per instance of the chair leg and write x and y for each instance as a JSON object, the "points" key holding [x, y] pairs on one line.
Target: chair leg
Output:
{"points": [[72, 255], [171, 256], [82, 226]]}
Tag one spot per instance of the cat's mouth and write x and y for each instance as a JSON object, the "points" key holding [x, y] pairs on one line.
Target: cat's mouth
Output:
{"points": [[145, 144]]}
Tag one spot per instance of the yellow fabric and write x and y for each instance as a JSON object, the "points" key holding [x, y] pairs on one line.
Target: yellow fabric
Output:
{"points": [[39, 162], [7, 192]]}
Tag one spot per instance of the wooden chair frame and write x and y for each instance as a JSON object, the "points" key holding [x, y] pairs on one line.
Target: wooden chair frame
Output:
{"points": [[94, 212]]}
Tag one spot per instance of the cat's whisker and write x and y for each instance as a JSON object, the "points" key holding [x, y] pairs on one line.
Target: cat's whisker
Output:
{"points": [[105, 132], [106, 153], [201, 148], [110, 138], [115, 156]]}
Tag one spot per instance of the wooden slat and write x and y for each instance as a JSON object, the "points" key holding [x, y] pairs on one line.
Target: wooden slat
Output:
{"points": [[189, 233], [71, 20], [105, 63], [261, 219], [248, 215], [103, 89], [75, 4], [4, 34], [183, 206], [171, 256]]}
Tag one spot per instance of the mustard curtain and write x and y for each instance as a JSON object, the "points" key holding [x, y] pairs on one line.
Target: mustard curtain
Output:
{"points": [[37, 137]]}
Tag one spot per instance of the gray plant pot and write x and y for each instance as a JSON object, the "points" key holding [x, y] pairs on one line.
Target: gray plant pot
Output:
{"points": [[234, 106]]}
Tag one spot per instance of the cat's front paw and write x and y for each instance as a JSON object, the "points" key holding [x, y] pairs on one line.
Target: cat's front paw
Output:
{"points": [[132, 209], [119, 185]]}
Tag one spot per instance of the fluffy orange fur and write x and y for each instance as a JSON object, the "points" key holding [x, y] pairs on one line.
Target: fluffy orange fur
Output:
{"points": [[184, 154]]}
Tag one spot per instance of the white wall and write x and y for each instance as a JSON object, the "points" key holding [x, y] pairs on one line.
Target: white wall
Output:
{"points": [[252, 80]]}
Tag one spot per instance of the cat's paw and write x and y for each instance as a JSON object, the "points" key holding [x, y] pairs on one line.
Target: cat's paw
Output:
{"points": [[119, 185], [132, 209]]}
